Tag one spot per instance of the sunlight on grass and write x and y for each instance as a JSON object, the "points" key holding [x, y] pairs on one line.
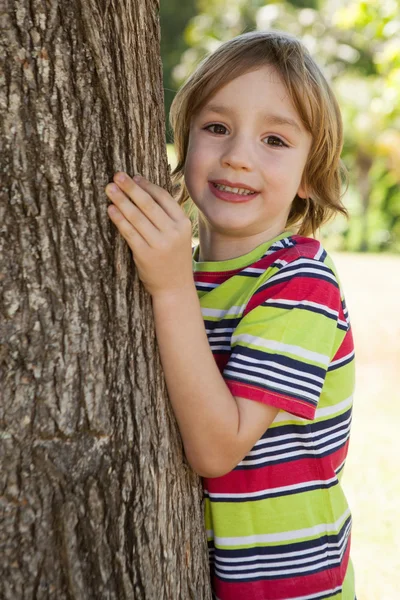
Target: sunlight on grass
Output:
{"points": [[371, 478]]}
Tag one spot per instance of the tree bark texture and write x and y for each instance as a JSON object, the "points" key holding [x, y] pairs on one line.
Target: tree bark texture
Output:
{"points": [[97, 501]]}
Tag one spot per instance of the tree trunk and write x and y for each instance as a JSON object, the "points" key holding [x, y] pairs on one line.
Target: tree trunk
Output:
{"points": [[97, 500]]}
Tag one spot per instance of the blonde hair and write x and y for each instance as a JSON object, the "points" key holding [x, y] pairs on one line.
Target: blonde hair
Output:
{"points": [[311, 96]]}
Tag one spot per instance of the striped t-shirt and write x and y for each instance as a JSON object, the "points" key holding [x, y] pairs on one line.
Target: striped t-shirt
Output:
{"points": [[279, 524]]}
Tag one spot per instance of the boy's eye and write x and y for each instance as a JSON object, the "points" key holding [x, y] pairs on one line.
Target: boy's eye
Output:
{"points": [[216, 128], [273, 140]]}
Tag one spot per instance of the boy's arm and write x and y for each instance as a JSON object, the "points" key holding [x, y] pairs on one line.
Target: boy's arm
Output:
{"points": [[217, 429]]}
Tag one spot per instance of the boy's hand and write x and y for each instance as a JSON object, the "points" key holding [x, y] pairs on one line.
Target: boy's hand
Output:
{"points": [[157, 231]]}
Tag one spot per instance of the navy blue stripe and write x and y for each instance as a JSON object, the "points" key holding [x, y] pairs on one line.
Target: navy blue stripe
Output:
{"points": [[303, 262], [313, 309], [269, 452], [342, 364], [290, 276], [323, 256], [306, 454], [297, 547], [306, 378], [245, 273], [280, 570], [275, 383], [273, 373], [267, 494], [315, 429], [295, 393], [316, 436], [225, 323], [279, 359]]}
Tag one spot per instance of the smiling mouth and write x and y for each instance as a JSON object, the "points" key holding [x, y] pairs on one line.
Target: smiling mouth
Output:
{"points": [[233, 190]]}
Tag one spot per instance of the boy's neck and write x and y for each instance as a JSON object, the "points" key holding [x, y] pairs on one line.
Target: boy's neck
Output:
{"points": [[217, 246]]}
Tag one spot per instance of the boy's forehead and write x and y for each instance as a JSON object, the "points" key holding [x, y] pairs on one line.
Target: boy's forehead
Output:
{"points": [[269, 102]]}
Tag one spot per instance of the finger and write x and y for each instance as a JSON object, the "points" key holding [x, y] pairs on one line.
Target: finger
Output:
{"points": [[161, 197], [143, 200], [132, 214], [135, 241]]}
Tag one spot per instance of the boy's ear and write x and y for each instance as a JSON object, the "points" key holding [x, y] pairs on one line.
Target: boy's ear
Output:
{"points": [[303, 190]]}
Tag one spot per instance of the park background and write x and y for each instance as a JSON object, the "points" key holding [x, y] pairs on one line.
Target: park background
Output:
{"points": [[357, 43]]}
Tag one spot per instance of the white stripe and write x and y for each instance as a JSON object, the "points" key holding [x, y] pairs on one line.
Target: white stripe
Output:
{"points": [[253, 270], [334, 433], [300, 436], [306, 265], [343, 359], [287, 273], [319, 253], [278, 346], [343, 323], [271, 572], [338, 469], [220, 330], [285, 488], [244, 569], [302, 452], [266, 563], [294, 554], [318, 594], [284, 416], [284, 536], [323, 307], [335, 408], [277, 387], [280, 261], [216, 312], [242, 369], [271, 363], [203, 284]]}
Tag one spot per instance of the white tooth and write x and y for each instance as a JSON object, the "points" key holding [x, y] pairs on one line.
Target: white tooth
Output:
{"points": [[227, 188]]}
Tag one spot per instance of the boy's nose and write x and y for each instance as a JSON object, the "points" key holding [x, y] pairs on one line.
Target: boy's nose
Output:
{"points": [[238, 154]]}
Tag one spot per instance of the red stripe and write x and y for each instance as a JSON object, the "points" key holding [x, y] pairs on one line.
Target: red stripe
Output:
{"points": [[278, 475], [309, 247], [221, 359], [295, 406], [298, 289], [346, 347], [205, 277], [284, 589]]}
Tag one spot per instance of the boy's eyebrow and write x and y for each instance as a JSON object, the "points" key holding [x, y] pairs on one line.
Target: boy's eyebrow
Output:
{"points": [[270, 119]]}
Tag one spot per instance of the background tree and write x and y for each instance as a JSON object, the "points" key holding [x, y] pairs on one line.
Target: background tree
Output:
{"points": [[97, 501]]}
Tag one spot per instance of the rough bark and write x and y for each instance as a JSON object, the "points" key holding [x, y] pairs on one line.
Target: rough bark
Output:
{"points": [[96, 498]]}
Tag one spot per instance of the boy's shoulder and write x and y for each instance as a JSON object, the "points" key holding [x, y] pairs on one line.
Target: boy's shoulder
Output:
{"points": [[290, 249]]}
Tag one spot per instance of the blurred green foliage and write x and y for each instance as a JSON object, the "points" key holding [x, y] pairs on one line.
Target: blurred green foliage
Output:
{"points": [[357, 43]]}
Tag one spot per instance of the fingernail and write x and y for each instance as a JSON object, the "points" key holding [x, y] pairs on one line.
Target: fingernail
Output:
{"points": [[112, 188], [120, 177], [137, 177]]}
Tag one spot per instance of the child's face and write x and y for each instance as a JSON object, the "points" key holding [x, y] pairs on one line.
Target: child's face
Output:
{"points": [[248, 136]]}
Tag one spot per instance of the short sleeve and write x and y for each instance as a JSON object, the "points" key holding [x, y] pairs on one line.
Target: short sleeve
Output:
{"points": [[285, 341]]}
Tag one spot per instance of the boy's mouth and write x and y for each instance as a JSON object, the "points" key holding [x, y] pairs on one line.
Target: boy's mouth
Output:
{"points": [[234, 190], [232, 193]]}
